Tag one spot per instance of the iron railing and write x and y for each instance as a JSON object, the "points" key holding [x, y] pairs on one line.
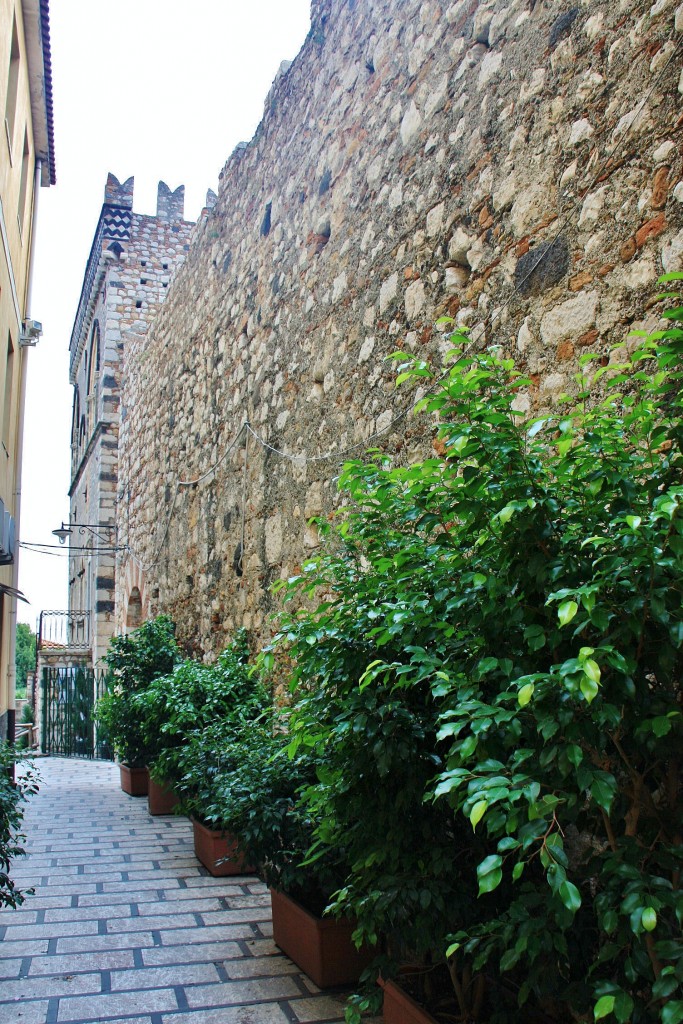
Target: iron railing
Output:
{"points": [[68, 701], [67, 631]]}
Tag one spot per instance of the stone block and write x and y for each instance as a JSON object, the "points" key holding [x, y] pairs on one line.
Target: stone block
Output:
{"points": [[570, 319], [411, 124], [414, 299], [388, 292], [273, 538], [651, 229]]}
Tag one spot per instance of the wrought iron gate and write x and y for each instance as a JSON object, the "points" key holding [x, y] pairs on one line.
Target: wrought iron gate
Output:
{"points": [[69, 696]]}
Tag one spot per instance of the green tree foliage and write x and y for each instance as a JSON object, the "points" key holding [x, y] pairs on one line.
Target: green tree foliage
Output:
{"points": [[13, 794], [494, 674], [134, 660], [25, 658], [174, 710]]}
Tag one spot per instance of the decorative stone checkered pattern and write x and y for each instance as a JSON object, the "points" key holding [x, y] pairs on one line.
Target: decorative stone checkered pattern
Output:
{"points": [[127, 926]]}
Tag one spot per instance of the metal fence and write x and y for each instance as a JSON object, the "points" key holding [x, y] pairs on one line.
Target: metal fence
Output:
{"points": [[62, 630], [68, 701]]}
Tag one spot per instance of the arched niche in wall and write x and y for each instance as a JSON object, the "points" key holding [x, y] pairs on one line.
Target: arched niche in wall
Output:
{"points": [[134, 610]]}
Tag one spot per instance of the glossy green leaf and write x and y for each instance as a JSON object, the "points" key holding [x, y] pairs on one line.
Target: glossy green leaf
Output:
{"points": [[477, 812], [567, 611], [672, 1012], [591, 669], [489, 873], [570, 896], [603, 1007], [525, 694], [589, 688]]}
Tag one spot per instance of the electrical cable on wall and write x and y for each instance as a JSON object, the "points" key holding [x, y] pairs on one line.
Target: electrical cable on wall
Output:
{"points": [[178, 485], [340, 456], [563, 220]]}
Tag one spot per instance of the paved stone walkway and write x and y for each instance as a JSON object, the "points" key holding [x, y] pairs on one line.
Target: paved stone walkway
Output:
{"points": [[126, 925]]}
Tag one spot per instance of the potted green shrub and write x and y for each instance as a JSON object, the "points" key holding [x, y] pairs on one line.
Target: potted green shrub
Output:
{"points": [[200, 768], [512, 611], [174, 710], [134, 660], [258, 800]]}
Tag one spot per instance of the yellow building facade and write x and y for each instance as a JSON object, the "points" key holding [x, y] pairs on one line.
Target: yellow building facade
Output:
{"points": [[26, 164]]}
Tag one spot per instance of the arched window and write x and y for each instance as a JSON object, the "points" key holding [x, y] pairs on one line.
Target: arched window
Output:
{"points": [[94, 356], [75, 416]]}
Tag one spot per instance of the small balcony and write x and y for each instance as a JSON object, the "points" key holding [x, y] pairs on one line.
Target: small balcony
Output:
{"points": [[64, 633]]}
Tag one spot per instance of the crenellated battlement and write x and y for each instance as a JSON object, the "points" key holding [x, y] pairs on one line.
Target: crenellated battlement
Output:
{"points": [[119, 194], [170, 205]]}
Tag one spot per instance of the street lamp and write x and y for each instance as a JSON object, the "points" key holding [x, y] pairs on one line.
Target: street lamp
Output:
{"points": [[66, 531]]}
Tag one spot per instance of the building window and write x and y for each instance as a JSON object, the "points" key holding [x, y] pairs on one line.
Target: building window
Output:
{"points": [[12, 85], [7, 407], [23, 187], [75, 417]]}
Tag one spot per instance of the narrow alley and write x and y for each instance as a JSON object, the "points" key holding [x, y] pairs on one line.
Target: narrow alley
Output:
{"points": [[126, 925]]}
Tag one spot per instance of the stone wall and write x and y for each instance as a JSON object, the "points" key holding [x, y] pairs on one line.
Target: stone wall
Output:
{"points": [[515, 164]]}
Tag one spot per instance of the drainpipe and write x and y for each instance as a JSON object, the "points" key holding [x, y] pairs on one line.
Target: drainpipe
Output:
{"points": [[18, 455]]}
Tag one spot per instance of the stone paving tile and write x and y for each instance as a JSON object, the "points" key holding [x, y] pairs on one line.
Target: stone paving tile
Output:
{"points": [[174, 906], [241, 992], [98, 1008], [73, 963], [127, 928], [24, 1013], [143, 924], [321, 1008], [44, 988], [48, 903], [266, 1013], [50, 931], [118, 898], [164, 977], [259, 967], [231, 917], [79, 944], [10, 968], [198, 952], [148, 883], [24, 948], [94, 913]]}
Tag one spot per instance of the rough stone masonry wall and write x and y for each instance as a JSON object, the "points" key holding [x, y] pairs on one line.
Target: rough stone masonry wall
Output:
{"points": [[416, 158]]}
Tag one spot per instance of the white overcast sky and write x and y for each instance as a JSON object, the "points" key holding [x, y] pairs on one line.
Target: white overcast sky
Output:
{"points": [[158, 89]]}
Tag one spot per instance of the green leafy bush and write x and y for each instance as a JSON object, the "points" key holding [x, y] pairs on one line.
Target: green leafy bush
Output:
{"points": [[502, 651], [27, 717], [259, 800], [134, 661], [173, 710], [25, 656], [13, 793]]}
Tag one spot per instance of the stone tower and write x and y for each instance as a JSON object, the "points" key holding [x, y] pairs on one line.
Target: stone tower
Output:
{"points": [[127, 277]]}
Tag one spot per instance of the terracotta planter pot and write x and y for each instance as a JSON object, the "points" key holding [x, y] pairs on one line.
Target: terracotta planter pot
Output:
{"points": [[212, 845], [134, 781], [399, 1008], [159, 799], [321, 947]]}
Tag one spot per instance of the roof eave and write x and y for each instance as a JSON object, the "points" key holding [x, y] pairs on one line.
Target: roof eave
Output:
{"points": [[37, 34]]}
